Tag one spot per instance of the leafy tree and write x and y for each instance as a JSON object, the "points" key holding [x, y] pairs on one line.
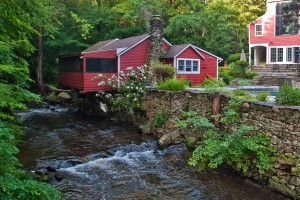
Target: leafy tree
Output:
{"points": [[17, 20], [213, 28]]}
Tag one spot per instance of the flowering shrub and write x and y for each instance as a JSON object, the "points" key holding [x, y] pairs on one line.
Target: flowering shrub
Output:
{"points": [[130, 92], [161, 72]]}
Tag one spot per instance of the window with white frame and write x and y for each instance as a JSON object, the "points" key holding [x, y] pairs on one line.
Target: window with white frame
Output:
{"points": [[188, 66], [279, 54], [258, 30], [282, 55]]}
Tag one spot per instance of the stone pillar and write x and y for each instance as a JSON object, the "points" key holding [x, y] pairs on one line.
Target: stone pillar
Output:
{"points": [[155, 41]]}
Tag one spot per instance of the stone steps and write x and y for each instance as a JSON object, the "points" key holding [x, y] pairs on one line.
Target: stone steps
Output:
{"points": [[279, 74]]}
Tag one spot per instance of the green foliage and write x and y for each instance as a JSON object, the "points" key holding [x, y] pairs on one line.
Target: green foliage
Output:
{"points": [[220, 90], [193, 121], [242, 94], [250, 74], [211, 82], [226, 75], [173, 85], [244, 82], [230, 113], [18, 21], [160, 120], [238, 69], [235, 57], [262, 96], [235, 70], [240, 147], [288, 95], [161, 72], [189, 143]]}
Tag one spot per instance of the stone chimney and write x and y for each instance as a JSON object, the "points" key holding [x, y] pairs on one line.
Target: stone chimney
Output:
{"points": [[156, 39]]}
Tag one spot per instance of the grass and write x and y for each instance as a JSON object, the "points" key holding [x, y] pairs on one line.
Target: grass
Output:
{"points": [[173, 85]]}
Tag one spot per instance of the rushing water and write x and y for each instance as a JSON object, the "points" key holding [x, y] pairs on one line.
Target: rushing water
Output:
{"points": [[98, 159]]}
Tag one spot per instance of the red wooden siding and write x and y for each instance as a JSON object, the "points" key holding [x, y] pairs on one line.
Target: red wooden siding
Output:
{"points": [[165, 46], [135, 57], [71, 79], [89, 84], [268, 23], [208, 66]]}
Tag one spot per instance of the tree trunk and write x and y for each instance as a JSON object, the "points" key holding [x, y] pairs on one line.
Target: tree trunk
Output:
{"points": [[39, 71]]}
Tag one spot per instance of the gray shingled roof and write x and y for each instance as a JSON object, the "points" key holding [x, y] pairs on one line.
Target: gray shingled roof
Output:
{"points": [[99, 45], [175, 50], [116, 43]]}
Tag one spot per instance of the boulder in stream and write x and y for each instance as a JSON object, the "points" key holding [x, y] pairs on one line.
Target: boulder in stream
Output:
{"points": [[64, 95], [168, 138]]}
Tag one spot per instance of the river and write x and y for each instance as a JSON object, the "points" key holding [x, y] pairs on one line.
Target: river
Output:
{"points": [[100, 159]]}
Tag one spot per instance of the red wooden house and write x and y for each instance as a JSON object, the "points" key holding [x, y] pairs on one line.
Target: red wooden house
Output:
{"points": [[271, 41], [113, 56]]}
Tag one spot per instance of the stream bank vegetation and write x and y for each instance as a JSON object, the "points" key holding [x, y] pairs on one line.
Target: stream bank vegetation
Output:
{"points": [[127, 90], [233, 144], [19, 20]]}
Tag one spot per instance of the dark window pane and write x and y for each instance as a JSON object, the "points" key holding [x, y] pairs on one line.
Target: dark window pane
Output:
{"points": [[273, 54], [101, 65], [180, 65], [195, 65], [70, 64]]}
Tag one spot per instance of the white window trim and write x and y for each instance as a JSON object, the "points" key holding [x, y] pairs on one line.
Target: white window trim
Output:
{"points": [[192, 72], [284, 54], [262, 30]]}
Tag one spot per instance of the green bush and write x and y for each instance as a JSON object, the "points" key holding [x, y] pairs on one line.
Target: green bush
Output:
{"points": [[226, 75], [161, 72], [210, 82], [262, 96], [242, 94], [239, 147], [236, 70], [288, 95], [160, 120], [240, 68], [235, 57], [188, 83], [250, 74], [173, 85]]}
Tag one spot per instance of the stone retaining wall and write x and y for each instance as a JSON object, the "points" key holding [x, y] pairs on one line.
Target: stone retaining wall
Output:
{"points": [[280, 123]]}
